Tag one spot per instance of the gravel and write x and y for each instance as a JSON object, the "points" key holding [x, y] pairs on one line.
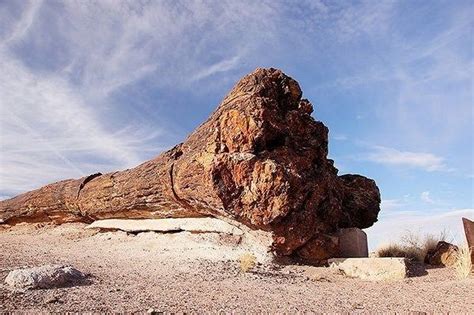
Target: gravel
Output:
{"points": [[143, 274]]}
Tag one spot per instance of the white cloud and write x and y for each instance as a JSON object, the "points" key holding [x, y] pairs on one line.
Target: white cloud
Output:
{"points": [[390, 204], [172, 43], [24, 24], [422, 109], [221, 66], [340, 137], [390, 156], [426, 197], [344, 22], [50, 132], [367, 17]]}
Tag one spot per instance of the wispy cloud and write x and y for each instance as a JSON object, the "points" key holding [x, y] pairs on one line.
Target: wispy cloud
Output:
{"points": [[366, 17], [420, 72], [50, 133], [340, 137], [390, 156], [23, 25], [343, 22], [221, 66], [426, 197]]}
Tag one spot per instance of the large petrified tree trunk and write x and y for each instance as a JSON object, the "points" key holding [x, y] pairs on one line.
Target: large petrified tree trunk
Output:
{"points": [[260, 159]]}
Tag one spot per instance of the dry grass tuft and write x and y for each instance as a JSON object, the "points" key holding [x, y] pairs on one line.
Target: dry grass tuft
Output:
{"points": [[247, 262], [463, 265], [412, 246], [397, 250]]}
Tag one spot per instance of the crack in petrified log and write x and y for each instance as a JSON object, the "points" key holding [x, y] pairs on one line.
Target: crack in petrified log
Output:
{"points": [[179, 200], [85, 181], [260, 159]]}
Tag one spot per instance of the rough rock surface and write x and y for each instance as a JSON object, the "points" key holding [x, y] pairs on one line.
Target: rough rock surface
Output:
{"points": [[260, 159], [319, 249], [445, 254], [44, 277]]}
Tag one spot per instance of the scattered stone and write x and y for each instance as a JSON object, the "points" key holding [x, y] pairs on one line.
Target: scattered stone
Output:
{"points": [[358, 306], [444, 254], [229, 240], [167, 225], [386, 268], [44, 277], [51, 299], [321, 279], [352, 243]]}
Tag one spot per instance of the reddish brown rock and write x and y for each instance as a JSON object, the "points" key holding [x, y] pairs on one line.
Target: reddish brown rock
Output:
{"points": [[319, 249], [445, 254], [469, 231], [260, 159], [361, 197]]}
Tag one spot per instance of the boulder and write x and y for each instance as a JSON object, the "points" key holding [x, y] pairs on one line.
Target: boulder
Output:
{"points": [[444, 254], [375, 268], [352, 243], [260, 160], [44, 277]]}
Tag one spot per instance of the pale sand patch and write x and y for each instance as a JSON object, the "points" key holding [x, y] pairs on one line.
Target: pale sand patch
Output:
{"points": [[168, 225]]}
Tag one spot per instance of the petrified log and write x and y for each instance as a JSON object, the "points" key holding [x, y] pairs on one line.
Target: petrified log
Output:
{"points": [[444, 254], [260, 159], [469, 231]]}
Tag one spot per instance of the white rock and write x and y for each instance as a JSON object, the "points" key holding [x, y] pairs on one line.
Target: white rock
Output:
{"points": [[385, 268], [167, 225], [44, 277]]}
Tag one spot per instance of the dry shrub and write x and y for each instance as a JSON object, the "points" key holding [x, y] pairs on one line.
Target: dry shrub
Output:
{"points": [[463, 265], [397, 250], [412, 246], [247, 262]]}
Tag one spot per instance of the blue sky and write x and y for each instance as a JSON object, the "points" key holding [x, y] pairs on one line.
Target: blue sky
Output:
{"points": [[91, 86]]}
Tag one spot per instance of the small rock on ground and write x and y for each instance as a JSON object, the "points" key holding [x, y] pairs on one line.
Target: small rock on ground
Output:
{"points": [[44, 277]]}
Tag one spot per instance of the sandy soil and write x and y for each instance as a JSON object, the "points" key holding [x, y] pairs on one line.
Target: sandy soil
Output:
{"points": [[138, 273]]}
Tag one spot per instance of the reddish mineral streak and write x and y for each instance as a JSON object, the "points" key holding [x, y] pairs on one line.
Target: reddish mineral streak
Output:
{"points": [[260, 159]]}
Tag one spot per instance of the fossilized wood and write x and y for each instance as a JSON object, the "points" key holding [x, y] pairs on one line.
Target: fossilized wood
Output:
{"points": [[469, 231], [260, 159]]}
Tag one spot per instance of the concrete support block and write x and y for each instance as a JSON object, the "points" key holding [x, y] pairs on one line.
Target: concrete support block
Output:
{"points": [[352, 243]]}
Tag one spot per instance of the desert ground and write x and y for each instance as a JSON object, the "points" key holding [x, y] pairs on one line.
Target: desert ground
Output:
{"points": [[148, 273]]}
